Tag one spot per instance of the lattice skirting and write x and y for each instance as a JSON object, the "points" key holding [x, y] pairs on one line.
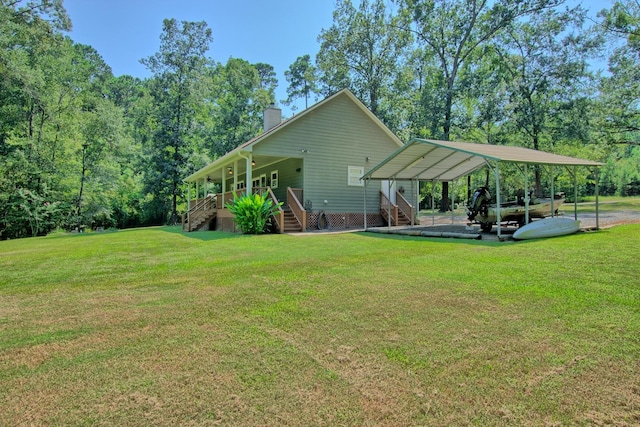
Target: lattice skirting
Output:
{"points": [[341, 221]]}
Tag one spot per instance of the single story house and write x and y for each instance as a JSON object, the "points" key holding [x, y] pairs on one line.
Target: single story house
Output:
{"points": [[312, 163]]}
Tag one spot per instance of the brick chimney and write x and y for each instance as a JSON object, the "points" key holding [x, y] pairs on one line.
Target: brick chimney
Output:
{"points": [[272, 117]]}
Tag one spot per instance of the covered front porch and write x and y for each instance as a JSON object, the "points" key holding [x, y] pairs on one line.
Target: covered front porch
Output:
{"points": [[211, 213], [211, 188]]}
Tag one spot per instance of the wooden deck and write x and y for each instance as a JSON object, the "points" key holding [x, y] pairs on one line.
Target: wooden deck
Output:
{"points": [[211, 213]]}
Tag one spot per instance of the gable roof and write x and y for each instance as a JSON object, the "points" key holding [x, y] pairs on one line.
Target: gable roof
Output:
{"points": [[247, 147], [427, 159]]}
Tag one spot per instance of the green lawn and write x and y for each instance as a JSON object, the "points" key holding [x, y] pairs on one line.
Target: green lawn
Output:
{"points": [[156, 327], [606, 204]]}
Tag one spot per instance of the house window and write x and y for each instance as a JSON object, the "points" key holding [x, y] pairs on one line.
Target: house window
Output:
{"points": [[240, 185], [353, 176], [260, 182], [274, 179]]}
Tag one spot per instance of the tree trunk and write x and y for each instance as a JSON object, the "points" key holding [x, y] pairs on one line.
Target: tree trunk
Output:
{"points": [[82, 180], [444, 205], [538, 179]]}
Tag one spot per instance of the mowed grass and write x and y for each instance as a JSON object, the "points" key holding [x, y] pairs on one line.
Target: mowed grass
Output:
{"points": [[606, 204], [158, 327]]}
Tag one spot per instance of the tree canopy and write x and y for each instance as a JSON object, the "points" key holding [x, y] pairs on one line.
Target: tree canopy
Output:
{"points": [[80, 147]]}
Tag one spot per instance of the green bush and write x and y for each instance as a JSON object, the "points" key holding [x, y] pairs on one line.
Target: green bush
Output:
{"points": [[252, 213]]}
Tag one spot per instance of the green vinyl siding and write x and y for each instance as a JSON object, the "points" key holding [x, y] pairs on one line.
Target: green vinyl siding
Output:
{"points": [[327, 140], [287, 176]]}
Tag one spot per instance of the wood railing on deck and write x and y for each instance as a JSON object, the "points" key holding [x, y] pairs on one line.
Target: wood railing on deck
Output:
{"points": [[405, 207], [294, 195], [388, 209], [228, 197], [279, 216], [199, 209]]}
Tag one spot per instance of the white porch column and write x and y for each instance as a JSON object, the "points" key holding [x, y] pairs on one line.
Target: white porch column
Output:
{"points": [[223, 185], [235, 176], [249, 175], [188, 196]]}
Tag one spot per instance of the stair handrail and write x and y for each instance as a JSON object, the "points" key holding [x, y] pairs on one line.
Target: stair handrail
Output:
{"points": [[279, 216], [405, 207], [387, 206], [200, 207], [299, 212]]}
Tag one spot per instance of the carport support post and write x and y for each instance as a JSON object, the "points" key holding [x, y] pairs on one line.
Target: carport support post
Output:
{"points": [[390, 183], [433, 209], [414, 193], [575, 193], [526, 194], [553, 192], [498, 216], [453, 205], [597, 199], [366, 184]]}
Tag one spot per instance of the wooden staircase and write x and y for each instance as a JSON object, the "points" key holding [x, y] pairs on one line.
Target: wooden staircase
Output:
{"points": [[402, 218], [202, 213], [291, 224], [396, 214], [198, 221]]}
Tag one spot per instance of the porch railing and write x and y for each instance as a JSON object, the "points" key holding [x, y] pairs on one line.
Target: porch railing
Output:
{"points": [[294, 195], [405, 207], [200, 210], [228, 197], [279, 215], [389, 210]]}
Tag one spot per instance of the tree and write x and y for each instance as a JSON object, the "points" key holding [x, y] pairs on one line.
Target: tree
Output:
{"points": [[453, 31], [623, 20], [546, 61], [362, 51], [178, 68], [301, 77], [237, 98], [268, 79], [34, 101], [620, 90]]}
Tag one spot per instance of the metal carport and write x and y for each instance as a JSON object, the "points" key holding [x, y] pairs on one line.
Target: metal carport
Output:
{"points": [[445, 161]]}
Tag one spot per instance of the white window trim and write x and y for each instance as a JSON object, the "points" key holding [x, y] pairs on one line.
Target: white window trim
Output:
{"points": [[260, 181], [274, 181], [353, 176]]}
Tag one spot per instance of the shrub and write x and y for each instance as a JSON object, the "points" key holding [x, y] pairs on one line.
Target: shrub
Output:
{"points": [[252, 213]]}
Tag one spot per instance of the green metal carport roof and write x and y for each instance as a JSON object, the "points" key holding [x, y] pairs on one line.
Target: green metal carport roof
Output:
{"points": [[431, 160]]}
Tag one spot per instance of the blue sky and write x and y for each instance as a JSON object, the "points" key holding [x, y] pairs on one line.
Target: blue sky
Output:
{"points": [[275, 32]]}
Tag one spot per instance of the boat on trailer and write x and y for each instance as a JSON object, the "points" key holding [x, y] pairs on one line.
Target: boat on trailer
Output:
{"points": [[486, 214], [547, 227]]}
